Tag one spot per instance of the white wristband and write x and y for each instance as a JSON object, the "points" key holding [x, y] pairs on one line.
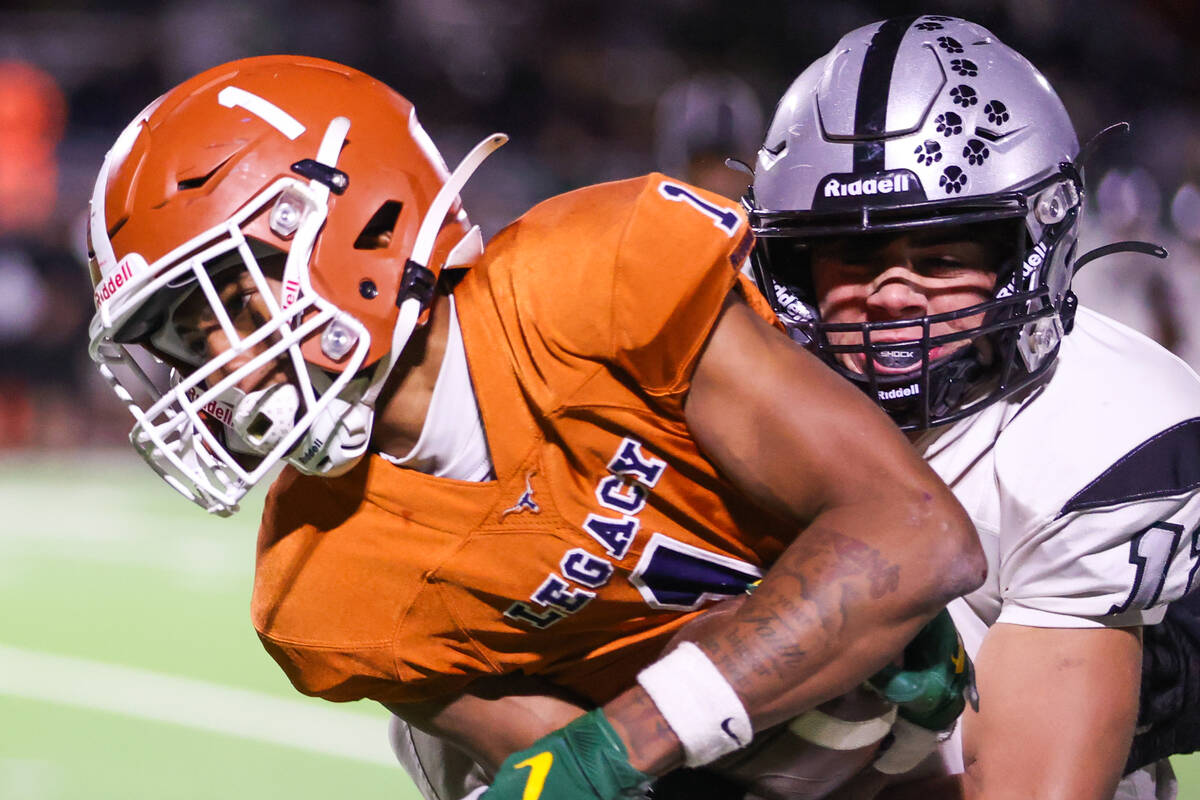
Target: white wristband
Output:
{"points": [[698, 703]]}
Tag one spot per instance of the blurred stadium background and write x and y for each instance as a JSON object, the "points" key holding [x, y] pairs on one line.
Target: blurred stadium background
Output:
{"points": [[128, 667]]}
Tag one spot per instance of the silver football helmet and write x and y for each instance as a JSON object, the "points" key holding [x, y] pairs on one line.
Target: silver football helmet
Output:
{"points": [[918, 122]]}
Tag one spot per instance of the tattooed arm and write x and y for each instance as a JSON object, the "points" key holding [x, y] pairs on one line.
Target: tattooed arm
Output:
{"points": [[883, 543], [882, 546]]}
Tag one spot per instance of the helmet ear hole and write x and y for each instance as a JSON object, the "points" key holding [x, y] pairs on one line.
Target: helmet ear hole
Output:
{"points": [[377, 233]]}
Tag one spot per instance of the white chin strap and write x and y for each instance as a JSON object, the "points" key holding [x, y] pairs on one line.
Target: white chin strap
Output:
{"points": [[338, 437], [411, 308]]}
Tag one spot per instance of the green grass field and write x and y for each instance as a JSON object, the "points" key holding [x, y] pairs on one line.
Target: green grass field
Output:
{"points": [[128, 666]]}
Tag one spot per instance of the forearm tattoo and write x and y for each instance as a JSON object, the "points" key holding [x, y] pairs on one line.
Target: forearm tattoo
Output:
{"points": [[653, 747], [802, 607]]}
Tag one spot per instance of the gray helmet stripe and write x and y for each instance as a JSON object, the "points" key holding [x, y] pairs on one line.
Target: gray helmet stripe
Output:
{"points": [[874, 84]]}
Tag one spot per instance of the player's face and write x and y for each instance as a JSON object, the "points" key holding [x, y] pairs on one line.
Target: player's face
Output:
{"points": [[905, 276], [204, 338]]}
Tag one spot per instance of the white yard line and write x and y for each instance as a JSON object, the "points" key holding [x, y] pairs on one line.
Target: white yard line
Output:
{"points": [[195, 704]]}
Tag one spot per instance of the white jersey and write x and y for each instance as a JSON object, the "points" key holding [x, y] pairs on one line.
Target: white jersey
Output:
{"points": [[1085, 491]]}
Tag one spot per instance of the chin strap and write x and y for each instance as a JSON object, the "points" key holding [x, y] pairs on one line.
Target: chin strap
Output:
{"points": [[1071, 302], [1093, 144], [418, 281], [339, 436], [1128, 246]]}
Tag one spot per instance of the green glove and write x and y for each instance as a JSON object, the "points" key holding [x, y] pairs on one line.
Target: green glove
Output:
{"points": [[584, 760], [936, 679]]}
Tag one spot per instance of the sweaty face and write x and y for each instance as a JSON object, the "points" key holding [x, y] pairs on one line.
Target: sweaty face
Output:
{"points": [[880, 278]]}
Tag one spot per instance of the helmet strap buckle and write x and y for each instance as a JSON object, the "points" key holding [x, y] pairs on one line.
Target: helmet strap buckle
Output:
{"points": [[417, 282], [327, 174], [1070, 305]]}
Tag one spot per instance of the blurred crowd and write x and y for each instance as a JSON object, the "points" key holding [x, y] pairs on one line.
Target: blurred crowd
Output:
{"points": [[588, 91]]}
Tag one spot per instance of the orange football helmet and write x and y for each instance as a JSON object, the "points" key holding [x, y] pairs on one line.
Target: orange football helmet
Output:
{"points": [[270, 155]]}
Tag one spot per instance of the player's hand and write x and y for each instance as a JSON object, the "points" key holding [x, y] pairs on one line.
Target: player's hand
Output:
{"points": [[584, 760], [936, 678]]}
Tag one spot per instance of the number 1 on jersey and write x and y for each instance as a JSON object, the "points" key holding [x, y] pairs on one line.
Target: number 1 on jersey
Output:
{"points": [[1150, 552], [539, 768], [724, 218]]}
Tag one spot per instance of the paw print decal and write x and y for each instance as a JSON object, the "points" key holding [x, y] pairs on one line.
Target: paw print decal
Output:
{"points": [[953, 179], [965, 67], [997, 112], [939, 18], [929, 26], [949, 44], [964, 96], [928, 152], [949, 124], [976, 152]]}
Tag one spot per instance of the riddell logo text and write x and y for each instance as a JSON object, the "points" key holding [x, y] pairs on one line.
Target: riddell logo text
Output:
{"points": [[901, 391], [217, 409], [1030, 270], [291, 292], [884, 183], [108, 287], [312, 451]]}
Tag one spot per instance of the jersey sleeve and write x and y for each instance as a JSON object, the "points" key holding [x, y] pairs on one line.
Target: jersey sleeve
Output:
{"points": [[1113, 566], [346, 611], [678, 258]]}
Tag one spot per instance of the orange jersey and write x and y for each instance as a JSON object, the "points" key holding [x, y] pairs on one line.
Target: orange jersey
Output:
{"points": [[605, 528]]}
